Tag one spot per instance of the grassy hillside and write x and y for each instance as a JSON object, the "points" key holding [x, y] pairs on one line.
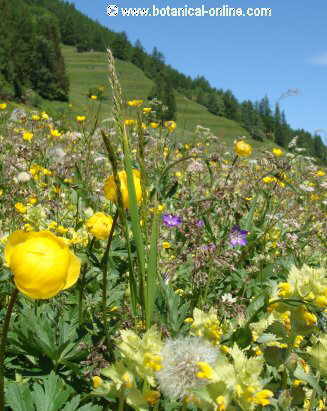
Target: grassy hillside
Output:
{"points": [[87, 70]]}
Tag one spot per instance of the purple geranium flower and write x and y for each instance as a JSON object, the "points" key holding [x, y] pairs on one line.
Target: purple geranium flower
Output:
{"points": [[199, 223], [208, 247], [171, 220], [237, 236]]}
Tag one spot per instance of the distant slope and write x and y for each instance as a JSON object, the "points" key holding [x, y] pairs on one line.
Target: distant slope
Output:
{"points": [[89, 69]]}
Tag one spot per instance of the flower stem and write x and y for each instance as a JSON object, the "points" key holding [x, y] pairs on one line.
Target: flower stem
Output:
{"points": [[231, 169], [82, 283], [81, 292], [3, 346]]}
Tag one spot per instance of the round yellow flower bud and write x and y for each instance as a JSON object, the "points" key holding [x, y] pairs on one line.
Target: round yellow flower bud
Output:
{"points": [[41, 263], [110, 188], [99, 225], [242, 149]]}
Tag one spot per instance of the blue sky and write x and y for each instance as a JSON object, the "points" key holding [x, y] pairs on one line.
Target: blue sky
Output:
{"points": [[252, 56]]}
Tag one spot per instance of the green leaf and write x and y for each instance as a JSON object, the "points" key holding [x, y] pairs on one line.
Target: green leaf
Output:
{"points": [[309, 378], [136, 227], [243, 337], [247, 221], [172, 190], [53, 395], [256, 305], [18, 397], [73, 405]]}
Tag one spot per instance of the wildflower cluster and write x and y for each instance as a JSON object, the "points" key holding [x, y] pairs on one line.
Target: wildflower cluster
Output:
{"points": [[181, 272]]}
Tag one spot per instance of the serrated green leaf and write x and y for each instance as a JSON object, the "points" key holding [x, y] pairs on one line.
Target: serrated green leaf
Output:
{"points": [[309, 378], [18, 397]]}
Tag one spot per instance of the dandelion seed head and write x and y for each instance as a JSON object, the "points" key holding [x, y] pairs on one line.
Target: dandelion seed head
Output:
{"points": [[179, 365], [23, 177]]}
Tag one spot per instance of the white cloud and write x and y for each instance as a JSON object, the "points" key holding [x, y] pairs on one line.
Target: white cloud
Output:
{"points": [[320, 60]]}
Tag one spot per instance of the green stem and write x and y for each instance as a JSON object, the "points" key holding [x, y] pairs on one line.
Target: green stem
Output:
{"points": [[104, 265], [121, 400], [231, 169], [3, 346], [80, 296], [123, 218], [81, 284]]}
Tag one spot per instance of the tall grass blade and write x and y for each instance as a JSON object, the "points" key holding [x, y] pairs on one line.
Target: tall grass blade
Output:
{"points": [[151, 280]]}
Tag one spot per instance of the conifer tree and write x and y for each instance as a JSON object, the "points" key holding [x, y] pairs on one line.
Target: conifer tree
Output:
{"points": [[163, 91]]}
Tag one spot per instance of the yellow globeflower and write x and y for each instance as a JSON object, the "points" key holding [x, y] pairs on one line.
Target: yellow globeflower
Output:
{"points": [[93, 97], [41, 263], [242, 149], [320, 173], [277, 152], [110, 188], [80, 119], [147, 110], [3, 106], [170, 125], [154, 125], [99, 225]]}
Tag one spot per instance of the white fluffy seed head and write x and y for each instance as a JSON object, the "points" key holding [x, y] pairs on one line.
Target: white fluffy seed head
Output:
{"points": [[23, 177], [179, 365]]}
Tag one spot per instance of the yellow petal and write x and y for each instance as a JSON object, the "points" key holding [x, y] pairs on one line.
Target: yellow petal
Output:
{"points": [[73, 271], [14, 239]]}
